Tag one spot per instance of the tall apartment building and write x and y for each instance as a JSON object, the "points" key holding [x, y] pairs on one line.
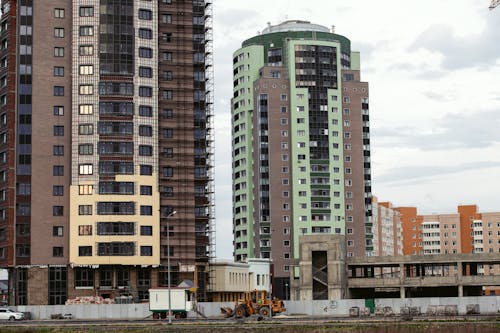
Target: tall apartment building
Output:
{"points": [[301, 145], [106, 147], [387, 229]]}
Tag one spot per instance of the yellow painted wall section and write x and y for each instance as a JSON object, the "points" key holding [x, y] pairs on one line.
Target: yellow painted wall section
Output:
{"points": [[153, 220]]}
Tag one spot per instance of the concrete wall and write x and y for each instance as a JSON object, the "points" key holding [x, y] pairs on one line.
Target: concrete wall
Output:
{"points": [[89, 311], [338, 308]]}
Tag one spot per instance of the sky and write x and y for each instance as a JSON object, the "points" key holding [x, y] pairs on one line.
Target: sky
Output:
{"points": [[433, 69]]}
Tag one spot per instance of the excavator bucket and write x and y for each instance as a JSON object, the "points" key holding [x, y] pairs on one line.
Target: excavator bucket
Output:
{"points": [[227, 312]]}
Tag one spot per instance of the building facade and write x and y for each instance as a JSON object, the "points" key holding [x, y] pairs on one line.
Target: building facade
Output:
{"points": [[301, 146], [387, 229], [106, 148]]}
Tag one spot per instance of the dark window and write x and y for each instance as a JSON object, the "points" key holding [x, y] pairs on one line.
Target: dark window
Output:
{"points": [[58, 130], [85, 251], [57, 251], [145, 52], [116, 228], [86, 11], [145, 91], [58, 170], [85, 210], [146, 251], [58, 150], [167, 113], [145, 150], [57, 231], [146, 230], [145, 33], [145, 71], [168, 172], [167, 37], [167, 94], [84, 277], [116, 108], [146, 210], [168, 152], [167, 75], [116, 208], [25, 159], [23, 250], [167, 56], [106, 277], [168, 133], [123, 277], [58, 110], [146, 170], [114, 187], [85, 149], [145, 130], [86, 30], [58, 279], [114, 167], [145, 111], [166, 18], [57, 210], [146, 190], [116, 249], [116, 148], [24, 139], [85, 50], [58, 71], [116, 88], [168, 191], [58, 91], [145, 14], [58, 51], [143, 283], [57, 190]]}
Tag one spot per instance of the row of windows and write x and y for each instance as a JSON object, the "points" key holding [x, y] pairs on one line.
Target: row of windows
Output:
{"points": [[111, 108], [115, 249], [109, 167]]}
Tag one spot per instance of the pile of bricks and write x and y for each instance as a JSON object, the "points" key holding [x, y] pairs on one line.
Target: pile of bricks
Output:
{"points": [[90, 300]]}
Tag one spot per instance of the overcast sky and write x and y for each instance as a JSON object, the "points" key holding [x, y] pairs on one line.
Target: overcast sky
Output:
{"points": [[434, 74]]}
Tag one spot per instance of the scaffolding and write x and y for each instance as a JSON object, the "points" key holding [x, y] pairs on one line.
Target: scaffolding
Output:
{"points": [[209, 105]]}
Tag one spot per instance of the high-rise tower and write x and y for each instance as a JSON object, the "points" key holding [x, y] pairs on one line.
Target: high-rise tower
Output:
{"points": [[301, 145], [106, 126]]}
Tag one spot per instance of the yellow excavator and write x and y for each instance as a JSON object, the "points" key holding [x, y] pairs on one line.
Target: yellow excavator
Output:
{"points": [[255, 302]]}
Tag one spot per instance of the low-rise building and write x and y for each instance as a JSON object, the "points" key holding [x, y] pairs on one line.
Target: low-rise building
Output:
{"points": [[229, 281]]}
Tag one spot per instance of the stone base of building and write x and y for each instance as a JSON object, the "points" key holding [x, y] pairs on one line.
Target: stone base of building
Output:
{"points": [[51, 285]]}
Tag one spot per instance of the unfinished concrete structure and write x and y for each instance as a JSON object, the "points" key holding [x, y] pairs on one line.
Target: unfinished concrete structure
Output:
{"points": [[326, 273]]}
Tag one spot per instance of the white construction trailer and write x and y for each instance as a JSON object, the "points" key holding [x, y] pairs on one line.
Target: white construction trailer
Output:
{"points": [[158, 302]]}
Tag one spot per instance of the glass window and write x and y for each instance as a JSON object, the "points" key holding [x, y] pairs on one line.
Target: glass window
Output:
{"points": [[145, 33], [58, 71], [58, 51], [86, 11], [145, 52], [145, 14], [59, 32], [59, 12]]}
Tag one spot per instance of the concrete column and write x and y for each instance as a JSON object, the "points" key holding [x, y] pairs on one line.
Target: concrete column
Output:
{"points": [[460, 290], [402, 292]]}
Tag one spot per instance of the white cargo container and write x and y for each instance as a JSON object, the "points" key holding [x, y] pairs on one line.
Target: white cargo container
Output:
{"points": [[158, 302]]}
